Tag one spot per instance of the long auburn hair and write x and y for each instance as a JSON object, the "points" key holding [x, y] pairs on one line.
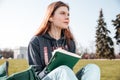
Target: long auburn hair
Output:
{"points": [[45, 25]]}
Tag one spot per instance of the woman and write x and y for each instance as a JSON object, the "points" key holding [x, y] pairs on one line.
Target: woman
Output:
{"points": [[52, 34]]}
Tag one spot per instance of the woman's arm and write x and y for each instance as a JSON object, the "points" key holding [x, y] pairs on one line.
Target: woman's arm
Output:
{"points": [[34, 57]]}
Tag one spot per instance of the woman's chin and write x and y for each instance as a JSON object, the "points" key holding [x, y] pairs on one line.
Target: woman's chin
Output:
{"points": [[65, 27]]}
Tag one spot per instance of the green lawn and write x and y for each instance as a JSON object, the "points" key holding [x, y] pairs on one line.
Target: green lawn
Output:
{"points": [[110, 69]]}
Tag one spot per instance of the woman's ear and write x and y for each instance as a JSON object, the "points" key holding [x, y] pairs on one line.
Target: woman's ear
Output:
{"points": [[50, 19]]}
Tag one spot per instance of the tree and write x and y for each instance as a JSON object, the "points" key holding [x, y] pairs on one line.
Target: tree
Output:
{"points": [[7, 53], [116, 23], [104, 43]]}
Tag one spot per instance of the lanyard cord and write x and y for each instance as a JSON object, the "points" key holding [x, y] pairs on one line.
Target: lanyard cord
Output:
{"points": [[60, 45]]}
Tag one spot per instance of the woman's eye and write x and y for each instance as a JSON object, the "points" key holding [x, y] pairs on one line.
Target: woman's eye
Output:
{"points": [[62, 13]]}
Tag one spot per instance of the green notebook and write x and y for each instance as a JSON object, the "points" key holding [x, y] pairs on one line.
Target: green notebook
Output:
{"points": [[62, 57]]}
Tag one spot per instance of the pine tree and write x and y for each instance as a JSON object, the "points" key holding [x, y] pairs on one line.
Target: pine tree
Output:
{"points": [[104, 43], [116, 23]]}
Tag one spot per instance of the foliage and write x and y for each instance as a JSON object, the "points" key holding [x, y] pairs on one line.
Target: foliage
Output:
{"points": [[104, 43], [7, 53], [116, 23]]}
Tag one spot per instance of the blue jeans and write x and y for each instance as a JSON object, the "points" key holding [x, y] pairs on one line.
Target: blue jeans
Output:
{"points": [[89, 72]]}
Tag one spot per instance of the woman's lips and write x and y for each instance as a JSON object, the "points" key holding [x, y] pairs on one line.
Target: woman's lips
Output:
{"points": [[66, 22]]}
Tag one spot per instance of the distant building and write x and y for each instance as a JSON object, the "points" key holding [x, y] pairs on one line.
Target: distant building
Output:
{"points": [[20, 53]]}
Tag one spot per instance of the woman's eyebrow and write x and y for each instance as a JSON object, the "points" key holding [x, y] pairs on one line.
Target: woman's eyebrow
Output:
{"points": [[64, 12]]}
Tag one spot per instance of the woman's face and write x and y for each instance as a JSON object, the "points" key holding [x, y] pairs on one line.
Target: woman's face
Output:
{"points": [[61, 17]]}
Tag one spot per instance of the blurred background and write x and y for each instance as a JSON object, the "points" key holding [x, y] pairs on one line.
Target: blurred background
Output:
{"points": [[19, 19]]}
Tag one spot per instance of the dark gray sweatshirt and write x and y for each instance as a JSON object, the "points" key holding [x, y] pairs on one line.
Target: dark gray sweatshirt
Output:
{"points": [[40, 51]]}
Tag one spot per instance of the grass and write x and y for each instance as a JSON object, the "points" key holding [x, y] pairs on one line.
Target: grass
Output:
{"points": [[110, 69], [16, 65]]}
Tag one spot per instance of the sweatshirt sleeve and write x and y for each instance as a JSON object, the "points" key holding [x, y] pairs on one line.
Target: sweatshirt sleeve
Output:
{"points": [[34, 57]]}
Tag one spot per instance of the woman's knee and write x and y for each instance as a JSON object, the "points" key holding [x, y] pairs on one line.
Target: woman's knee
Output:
{"points": [[64, 67], [91, 72], [93, 67]]}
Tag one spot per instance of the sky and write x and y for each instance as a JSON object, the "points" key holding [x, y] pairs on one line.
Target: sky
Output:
{"points": [[19, 19]]}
